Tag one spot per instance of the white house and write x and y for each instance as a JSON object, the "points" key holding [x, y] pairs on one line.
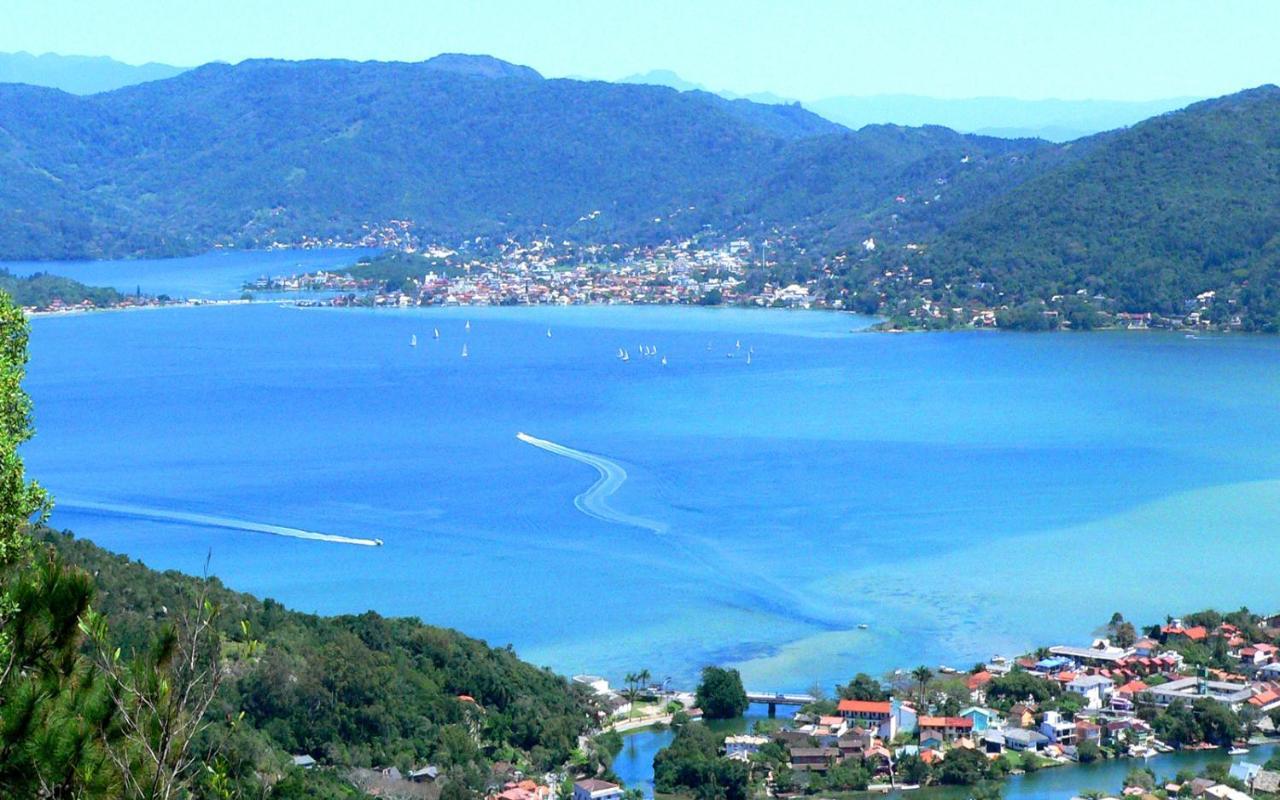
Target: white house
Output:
{"points": [[745, 744], [1093, 688], [596, 789], [1058, 729]]}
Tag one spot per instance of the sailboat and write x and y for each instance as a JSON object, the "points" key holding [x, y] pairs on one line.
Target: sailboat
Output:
{"points": [[464, 350], [626, 356], [548, 333], [748, 358], [621, 353], [436, 333], [738, 344], [467, 327], [664, 361], [413, 340]]}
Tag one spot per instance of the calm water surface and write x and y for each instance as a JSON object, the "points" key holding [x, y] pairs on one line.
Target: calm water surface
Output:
{"points": [[960, 494]]}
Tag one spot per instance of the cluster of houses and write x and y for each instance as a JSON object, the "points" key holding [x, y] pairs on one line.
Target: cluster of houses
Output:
{"points": [[542, 273], [1111, 684]]}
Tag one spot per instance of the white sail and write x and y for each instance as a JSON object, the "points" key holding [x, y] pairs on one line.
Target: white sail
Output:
{"points": [[413, 340], [436, 333], [464, 351]]}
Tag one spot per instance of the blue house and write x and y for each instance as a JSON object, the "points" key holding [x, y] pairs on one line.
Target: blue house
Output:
{"points": [[983, 718], [905, 716]]}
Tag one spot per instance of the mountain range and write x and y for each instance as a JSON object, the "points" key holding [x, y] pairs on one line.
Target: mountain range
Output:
{"points": [[464, 146], [78, 74], [273, 151], [1006, 117]]}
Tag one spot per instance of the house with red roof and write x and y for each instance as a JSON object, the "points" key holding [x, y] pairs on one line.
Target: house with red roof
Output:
{"points": [[1176, 630], [944, 729], [872, 714]]}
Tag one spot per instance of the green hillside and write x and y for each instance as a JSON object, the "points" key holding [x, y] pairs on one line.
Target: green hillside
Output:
{"points": [[1149, 217], [352, 691], [462, 146]]}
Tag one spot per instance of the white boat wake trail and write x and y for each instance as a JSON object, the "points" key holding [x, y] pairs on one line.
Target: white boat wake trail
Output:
{"points": [[593, 502], [208, 521], [758, 591]]}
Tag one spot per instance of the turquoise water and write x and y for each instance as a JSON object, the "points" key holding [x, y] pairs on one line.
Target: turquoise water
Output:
{"points": [[961, 494]]}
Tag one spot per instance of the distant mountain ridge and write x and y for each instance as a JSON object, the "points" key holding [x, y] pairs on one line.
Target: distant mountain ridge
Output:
{"points": [[1054, 120], [270, 151], [79, 74]]}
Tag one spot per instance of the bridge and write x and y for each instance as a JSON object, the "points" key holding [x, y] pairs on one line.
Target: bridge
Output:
{"points": [[775, 699]]}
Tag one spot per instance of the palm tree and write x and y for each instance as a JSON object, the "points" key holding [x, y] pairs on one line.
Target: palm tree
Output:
{"points": [[644, 676], [922, 675], [630, 693]]}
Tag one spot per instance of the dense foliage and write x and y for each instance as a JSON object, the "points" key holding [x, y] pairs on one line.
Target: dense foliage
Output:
{"points": [[41, 289], [720, 694], [357, 690], [692, 763], [1151, 217]]}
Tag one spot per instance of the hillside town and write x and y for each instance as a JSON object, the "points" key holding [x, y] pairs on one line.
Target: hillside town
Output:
{"points": [[543, 273], [775, 272]]}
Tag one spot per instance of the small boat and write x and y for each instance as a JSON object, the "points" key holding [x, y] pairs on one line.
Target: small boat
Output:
{"points": [[436, 333], [626, 356], [748, 357], [1238, 750], [728, 355], [862, 626], [621, 353], [664, 361], [467, 327], [738, 344], [548, 333], [708, 346], [464, 351], [413, 340]]}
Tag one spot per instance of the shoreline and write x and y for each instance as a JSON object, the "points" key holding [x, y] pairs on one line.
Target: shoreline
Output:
{"points": [[76, 312]]}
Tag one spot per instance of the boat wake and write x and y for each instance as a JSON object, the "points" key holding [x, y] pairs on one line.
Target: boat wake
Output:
{"points": [[209, 521], [745, 588], [594, 501]]}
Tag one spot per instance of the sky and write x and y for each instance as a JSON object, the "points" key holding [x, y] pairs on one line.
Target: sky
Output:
{"points": [[805, 49]]}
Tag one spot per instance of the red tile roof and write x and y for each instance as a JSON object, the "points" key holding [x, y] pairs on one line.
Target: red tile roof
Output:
{"points": [[978, 679], [945, 722], [863, 707]]}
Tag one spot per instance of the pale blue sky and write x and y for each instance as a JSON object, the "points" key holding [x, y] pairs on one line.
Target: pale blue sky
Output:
{"points": [[803, 48]]}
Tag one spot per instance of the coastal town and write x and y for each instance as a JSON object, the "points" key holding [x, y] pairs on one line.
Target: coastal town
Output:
{"points": [[772, 272], [1207, 682]]}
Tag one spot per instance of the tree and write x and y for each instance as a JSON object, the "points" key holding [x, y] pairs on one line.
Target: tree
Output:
{"points": [[1218, 723], [912, 770], [20, 500], [922, 675], [1088, 752], [161, 697], [862, 687], [56, 718], [720, 694], [964, 767]]}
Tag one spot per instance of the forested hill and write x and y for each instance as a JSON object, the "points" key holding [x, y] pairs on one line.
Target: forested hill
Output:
{"points": [[460, 145], [352, 691], [1151, 216]]}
